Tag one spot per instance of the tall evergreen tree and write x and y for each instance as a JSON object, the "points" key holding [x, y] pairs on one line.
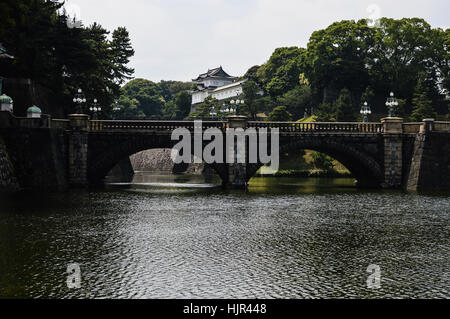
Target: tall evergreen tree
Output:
{"points": [[344, 108], [121, 51], [422, 104]]}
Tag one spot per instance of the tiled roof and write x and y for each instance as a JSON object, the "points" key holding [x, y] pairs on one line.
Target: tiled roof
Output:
{"points": [[217, 72], [4, 54], [220, 88]]}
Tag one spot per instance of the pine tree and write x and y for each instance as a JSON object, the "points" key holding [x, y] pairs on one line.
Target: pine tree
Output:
{"points": [[121, 51], [421, 103], [344, 107], [280, 114]]}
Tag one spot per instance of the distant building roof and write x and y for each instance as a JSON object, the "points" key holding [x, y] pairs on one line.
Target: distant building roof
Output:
{"points": [[214, 73], [220, 88], [4, 54]]}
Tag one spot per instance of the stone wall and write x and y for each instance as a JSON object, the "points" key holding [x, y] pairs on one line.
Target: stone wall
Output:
{"points": [[8, 179], [38, 157], [430, 164], [160, 160]]}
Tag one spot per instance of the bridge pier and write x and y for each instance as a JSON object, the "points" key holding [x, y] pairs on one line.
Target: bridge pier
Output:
{"points": [[393, 151], [237, 172], [78, 150]]}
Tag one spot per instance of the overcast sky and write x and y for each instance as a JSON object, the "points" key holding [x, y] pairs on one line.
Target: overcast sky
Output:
{"points": [[179, 39]]}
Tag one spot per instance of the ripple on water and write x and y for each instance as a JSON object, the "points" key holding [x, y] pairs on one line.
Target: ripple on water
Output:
{"points": [[217, 244]]}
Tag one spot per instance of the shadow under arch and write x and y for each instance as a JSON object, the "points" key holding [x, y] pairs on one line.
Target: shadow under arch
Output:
{"points": [[102, 162], [364, 167]]}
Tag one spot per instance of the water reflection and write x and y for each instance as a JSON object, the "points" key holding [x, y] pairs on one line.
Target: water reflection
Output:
{"points": [[284, 238]]}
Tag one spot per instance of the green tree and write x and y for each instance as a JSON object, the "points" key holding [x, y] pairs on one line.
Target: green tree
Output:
{"points": [[336, 58], [183, 102], [203, 110], [62, 59], [121, 52], [169, 112], [254, 74], [422, 105], [297, 100], [129, 109], [148, 94], [251, 90], [281, 73], [325, 113], [169, 89], [344, 108], [280, 114]]}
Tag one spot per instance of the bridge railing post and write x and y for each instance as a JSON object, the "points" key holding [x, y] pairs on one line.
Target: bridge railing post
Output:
{"points": [[79, 122], [427, 126]]}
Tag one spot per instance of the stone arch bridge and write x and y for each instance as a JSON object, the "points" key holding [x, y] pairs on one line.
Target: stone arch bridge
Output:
{"points": [[389, 154]]}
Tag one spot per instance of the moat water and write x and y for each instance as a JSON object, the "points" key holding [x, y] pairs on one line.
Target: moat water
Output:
{"points": [[184, 237]]}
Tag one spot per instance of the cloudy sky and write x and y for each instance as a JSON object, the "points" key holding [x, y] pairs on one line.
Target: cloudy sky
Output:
{"points": [[178, 39]]}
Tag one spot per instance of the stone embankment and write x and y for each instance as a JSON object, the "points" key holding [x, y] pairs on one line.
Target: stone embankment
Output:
{"points": [[8, 179], [159, 160]]}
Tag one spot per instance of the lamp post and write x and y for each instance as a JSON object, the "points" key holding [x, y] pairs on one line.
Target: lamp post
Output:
{"points": [[213, 112], [237, 103], [391, 102], [116, 109], [366, 111], [94, 109], [79, 99]]}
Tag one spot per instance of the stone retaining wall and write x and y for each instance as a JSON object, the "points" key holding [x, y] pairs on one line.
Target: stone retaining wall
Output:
{"points": [[8, 179]]}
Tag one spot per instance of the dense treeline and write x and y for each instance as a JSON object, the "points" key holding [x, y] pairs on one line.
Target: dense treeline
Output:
{"points": [[342, 66], [61, 55], [349, 63], [144, 99]]}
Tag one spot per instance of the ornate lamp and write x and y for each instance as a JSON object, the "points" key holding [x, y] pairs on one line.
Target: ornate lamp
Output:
{"points": [[94, 109], [79, 99], [391, 103], [366, 111]]}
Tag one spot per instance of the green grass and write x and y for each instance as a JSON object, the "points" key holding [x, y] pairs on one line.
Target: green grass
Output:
{"points": [[301, 165]]}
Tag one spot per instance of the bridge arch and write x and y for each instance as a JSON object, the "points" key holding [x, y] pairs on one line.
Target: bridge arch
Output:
{"points": [[366, 169], [106, 154]]}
